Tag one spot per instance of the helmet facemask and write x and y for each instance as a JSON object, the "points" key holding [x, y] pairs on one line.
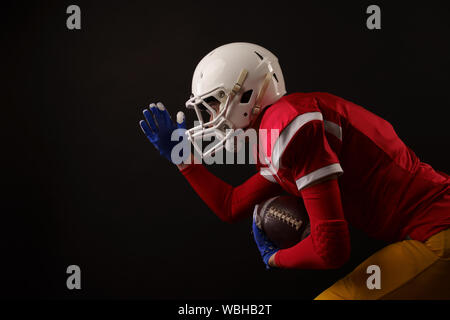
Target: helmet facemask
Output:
{"points": [[218, 104], [231, 86]]}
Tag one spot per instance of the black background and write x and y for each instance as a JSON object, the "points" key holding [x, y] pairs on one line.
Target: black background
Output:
{"points": [[82, 185]]}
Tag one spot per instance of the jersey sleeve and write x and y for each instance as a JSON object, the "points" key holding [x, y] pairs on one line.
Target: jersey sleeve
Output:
{"points": [[303, 149], [227, 202], [328, 245]]}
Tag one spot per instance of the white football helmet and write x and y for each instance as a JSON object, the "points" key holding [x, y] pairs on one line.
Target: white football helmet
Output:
{"points": [[232, 84]]}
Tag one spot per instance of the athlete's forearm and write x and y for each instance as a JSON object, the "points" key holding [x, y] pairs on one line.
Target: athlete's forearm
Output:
{"points": [[212, 190], [183, 165], [328, 245], [227, 202]]}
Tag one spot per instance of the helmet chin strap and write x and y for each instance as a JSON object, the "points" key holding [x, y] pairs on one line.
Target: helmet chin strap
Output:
{"points": [[240, 81], [257, 107], [238, 86]]}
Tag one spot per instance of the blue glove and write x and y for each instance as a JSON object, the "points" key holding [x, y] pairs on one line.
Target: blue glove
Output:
{"points": [[266, 247], [158, 127]]}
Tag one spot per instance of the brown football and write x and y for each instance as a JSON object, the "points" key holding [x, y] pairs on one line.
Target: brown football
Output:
{"points": [[283, 219]]}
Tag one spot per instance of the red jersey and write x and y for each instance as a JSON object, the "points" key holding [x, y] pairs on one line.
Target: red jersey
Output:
{"points": [[386, 191]]}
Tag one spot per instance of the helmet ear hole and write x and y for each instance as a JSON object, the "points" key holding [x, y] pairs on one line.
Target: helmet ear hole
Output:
{"points": [[246, 96]]}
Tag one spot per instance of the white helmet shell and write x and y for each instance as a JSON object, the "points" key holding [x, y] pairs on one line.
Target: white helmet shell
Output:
{"points": [[241, 79]]}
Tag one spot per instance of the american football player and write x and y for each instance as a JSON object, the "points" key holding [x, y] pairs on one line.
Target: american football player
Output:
{"points": [[347, 164]]}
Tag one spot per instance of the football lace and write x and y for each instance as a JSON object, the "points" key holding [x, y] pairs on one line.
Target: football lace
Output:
{"points": [[281, 215]]}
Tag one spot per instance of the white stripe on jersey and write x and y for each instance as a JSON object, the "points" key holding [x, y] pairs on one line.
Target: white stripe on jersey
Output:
{"points": [[318, 174], [288, 133], [333, 128], [266, 173]]}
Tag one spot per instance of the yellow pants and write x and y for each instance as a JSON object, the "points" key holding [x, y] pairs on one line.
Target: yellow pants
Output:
{"points": [[407, 270]]}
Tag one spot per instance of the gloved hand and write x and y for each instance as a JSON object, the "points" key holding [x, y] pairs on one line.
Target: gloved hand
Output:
{"points": [[266, 247], [158, 127]]}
